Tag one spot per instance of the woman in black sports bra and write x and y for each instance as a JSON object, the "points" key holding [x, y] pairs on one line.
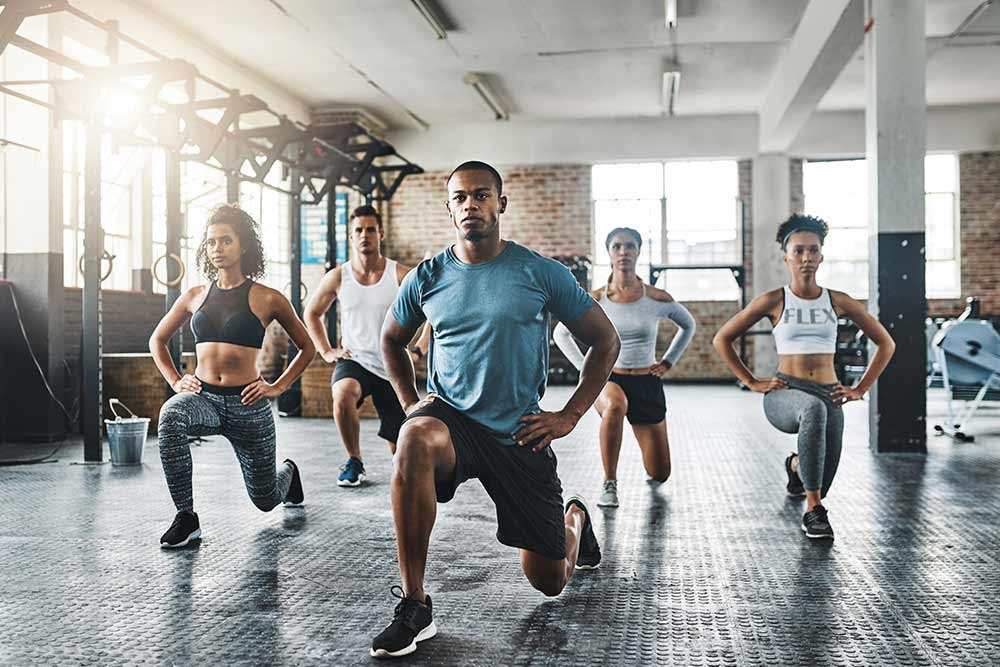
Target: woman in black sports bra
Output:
{"points": [[226, 395]]}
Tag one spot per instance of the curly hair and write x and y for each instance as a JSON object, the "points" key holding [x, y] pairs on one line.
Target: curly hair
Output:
{"points": [[801, 223], [252, 260]]}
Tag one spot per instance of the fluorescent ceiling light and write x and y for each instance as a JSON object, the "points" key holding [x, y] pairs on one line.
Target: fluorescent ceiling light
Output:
{"points": [[670, 13], [431, 13], [671, 86], [487, 94]]}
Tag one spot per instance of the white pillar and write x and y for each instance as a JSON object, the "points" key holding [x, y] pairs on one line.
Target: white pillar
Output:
{"points": [[896, 142], [771, 207]]}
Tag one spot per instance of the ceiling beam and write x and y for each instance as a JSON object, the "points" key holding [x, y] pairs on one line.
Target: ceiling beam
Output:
{"points": [[828, 36]]}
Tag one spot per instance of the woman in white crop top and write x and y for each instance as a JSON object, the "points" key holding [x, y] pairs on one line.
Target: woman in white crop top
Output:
{"points": [[805, 397]]}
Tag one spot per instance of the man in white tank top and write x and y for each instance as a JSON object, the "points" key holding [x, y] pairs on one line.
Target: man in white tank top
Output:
{"points": [[366, 288]]}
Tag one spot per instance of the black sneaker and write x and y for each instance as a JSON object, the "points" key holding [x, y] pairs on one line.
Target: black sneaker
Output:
{"points": [[794, 486], [412, 622], [816, 525], [182, 531], [589, 555], [295, 495]]}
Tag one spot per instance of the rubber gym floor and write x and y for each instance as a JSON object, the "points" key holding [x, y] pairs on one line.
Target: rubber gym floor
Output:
{"points": [[709, 569]]}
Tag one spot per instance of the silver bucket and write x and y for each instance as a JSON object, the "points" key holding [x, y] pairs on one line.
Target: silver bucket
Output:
{"points": [[126, 436]]}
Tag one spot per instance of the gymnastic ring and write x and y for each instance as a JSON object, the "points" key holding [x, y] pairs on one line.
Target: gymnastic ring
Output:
{"points": [[305, 290], [180, 263], [104, 255]]}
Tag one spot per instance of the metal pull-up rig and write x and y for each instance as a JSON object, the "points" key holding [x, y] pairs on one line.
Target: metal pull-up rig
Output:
{"points": [[192, 117]]}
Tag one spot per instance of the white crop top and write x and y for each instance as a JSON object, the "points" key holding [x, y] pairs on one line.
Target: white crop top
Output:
{"points": [[806, 326]]}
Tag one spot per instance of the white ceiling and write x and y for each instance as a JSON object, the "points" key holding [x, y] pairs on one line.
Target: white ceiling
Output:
{"points": [[553, 59]]}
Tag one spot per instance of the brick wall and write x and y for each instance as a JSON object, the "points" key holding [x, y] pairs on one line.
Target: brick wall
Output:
{"points": [[548, 210], [700, 361], [128, 319], [979, 206]]}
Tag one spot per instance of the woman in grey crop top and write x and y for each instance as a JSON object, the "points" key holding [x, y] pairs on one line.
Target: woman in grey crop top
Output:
{"points": [[805, 397], [635, 389]]}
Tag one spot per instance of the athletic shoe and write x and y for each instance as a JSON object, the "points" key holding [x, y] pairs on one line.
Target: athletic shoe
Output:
{"points": [[589, 555], [794, 486], [295, 496], [609, 496], [352, 473], [182, 531], [412, 622], [816, 525]]}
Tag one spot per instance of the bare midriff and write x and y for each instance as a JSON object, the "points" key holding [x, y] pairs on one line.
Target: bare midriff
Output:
{"points": [[225, 364], [816, 368], [632, 371]]}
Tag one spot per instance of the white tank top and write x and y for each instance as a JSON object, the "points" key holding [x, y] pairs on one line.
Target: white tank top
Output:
{"points": [[363, 308], [806, 326]]}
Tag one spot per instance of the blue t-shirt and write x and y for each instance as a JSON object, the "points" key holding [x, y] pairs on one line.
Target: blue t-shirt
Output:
{"points": [[490, 355]]}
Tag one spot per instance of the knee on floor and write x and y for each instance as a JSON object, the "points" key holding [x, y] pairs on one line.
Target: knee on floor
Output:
{"points": [[549, 585], [659, 475], [264, 503]]}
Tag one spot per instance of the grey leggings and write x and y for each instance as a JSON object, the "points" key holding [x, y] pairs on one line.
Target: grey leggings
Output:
{"points": [[250, 429], [807, 408]]}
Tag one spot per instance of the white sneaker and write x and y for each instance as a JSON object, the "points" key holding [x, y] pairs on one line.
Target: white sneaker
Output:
{"points": [[609, 496]]}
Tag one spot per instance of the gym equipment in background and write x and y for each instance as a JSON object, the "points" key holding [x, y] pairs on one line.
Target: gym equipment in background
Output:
{"points": [[967, 354]]}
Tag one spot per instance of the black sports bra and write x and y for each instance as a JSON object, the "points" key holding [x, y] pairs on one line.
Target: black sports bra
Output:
{"points": [[225, 317]]}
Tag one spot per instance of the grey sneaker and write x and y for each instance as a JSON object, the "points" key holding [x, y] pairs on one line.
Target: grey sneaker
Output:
{"points": [[609, 496]]}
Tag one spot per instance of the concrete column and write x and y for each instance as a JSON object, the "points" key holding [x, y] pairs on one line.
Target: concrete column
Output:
{"points": [[771, 206], [896, 142]]}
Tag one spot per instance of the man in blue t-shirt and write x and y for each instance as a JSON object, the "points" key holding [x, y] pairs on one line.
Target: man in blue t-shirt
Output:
{"points": [[488, 303]]}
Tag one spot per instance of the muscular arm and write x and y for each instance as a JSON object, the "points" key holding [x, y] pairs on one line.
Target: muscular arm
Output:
{"points": [[723, 342], [594, 329], [317, 307], [175, 318], [423, 341], [398, 364], [290, 322], [679, 315], [564, 339]]}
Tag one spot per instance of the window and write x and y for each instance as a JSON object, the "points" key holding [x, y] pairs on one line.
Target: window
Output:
{"points": [[121, 192], [202, 189], [688, 214], [942, 231], [838, 192]]}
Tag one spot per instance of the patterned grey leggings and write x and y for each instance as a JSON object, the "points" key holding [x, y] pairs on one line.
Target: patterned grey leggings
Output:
{"points": [[250, 429], [807, 408]]}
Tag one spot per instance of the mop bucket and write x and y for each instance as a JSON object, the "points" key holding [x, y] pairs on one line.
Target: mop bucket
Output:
{"points": [[126, 435]]}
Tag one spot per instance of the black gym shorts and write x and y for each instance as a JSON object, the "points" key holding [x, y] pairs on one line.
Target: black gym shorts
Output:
{"points": [[390, 412], [523, 484], [646, 403]]}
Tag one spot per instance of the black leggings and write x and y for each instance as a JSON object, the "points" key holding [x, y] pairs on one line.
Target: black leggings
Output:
{"points": [[250, 429]]}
